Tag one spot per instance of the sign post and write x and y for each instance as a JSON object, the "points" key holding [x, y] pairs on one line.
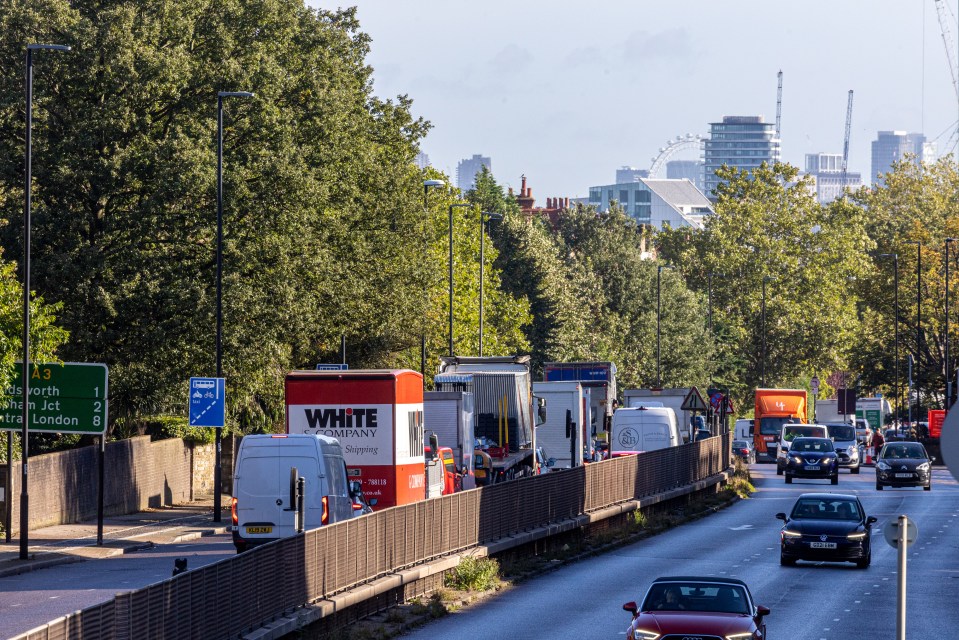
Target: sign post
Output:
{"points": [[814, 388], [208, 409], [901, 534]]}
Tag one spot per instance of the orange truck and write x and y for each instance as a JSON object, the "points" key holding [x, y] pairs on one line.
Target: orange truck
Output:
{"points": [[377, 416], [774, 408]]}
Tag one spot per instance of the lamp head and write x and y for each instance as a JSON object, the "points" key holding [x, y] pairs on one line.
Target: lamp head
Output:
{"points": [[490, 216], [432, 184], [234, 94], [48, 47]]}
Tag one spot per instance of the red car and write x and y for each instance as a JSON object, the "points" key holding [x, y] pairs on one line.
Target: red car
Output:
{"points": [[697, 607]]}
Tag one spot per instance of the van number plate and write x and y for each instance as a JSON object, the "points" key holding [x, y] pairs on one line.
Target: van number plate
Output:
{"points": [[259, 529], [822, 545]]}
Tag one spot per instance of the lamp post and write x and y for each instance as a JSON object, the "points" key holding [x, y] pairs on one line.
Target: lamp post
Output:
{"points": [[485, 217], [947, 362], [659, 314], [762, 370], [27, 179], [452, 206], [217, 480], [895, 263], [427, 185], [918, 358]]}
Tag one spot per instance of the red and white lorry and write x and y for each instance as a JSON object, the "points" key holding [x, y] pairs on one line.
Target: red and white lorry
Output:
{"points": [[377, 417]]}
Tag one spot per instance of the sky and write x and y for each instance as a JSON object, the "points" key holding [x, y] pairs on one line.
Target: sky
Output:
{"points": [[568, 92]]}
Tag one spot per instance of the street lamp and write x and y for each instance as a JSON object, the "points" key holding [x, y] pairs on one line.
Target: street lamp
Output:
{"points": [[27, 179], [485, 217], [217, 481], [659, 309], [918, 359], [762, 370], [452, 206], [895, 263], [947, 368], [427, 185]]}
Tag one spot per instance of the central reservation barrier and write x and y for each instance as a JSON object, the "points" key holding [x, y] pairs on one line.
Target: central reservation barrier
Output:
{"points": [[240, 594]]}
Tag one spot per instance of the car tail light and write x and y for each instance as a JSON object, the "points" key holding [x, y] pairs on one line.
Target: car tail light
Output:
{"points": [[236, 519], [357, 507], [326, 511]]}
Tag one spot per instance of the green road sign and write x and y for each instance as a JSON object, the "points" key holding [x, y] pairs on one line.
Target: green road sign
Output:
{"points": [[64, 398]]}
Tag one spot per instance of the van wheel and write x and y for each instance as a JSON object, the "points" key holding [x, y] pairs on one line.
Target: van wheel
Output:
{"points": [[855, 470]]}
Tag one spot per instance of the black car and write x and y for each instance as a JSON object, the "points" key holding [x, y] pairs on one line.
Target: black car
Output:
{"points": [[743, 449], [904, 464], [811, 458], [826, 526]]}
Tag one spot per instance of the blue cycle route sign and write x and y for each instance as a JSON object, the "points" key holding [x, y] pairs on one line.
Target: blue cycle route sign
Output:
{"points": [[207, 402]]}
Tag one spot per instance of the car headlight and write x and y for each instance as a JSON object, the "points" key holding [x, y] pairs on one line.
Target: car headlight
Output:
{"points": [[797, 459], [642, 634], [923, 467], [856, 536], [828, 460], [746, 635], [853, 452], [791, 534], [883, 466]]}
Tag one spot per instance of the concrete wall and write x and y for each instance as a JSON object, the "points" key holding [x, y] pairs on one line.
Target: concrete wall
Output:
{"points": [[138, 474]]}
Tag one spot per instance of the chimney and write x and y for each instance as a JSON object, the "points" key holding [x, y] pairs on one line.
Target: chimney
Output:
{"points": [[566, 203], [549, 203], [522, 189]]}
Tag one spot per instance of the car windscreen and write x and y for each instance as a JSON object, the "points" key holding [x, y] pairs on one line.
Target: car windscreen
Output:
{"points": [[903, 451], [739, 444], [826, 509], [841, 432], [690, 596], [799, 431], [818, 445], [773, 426]]}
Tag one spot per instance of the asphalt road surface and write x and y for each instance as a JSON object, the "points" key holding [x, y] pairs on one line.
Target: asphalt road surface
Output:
{"points": [[32, 599], [811, 601]]}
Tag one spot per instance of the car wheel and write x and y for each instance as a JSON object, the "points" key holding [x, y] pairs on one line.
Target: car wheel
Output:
{"points": [[854, 470], [786, 562], [834, 479], [862, 564], [779, 470], [878, 487], [928, 487], [789, 479]]}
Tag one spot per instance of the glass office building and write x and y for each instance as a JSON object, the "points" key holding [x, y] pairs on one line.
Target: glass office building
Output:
{"points": [[744, 142]]}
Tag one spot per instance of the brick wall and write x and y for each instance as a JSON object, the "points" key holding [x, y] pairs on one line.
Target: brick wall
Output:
{"points": [[138, 474]]}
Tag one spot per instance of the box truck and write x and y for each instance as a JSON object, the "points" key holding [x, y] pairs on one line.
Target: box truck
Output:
{"points": [[377, 416], [598, 380], [774, 408], [670, 398], [449, 414], [564, 446]]}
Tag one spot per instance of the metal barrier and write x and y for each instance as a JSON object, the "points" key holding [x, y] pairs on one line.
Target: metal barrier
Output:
{"points": [[237, 595]]}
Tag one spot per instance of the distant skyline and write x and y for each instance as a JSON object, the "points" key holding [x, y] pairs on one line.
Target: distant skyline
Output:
{"points": [[567, 93]]}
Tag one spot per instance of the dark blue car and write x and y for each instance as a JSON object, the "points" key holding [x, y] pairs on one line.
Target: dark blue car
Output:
{"points": [[812, 458]]}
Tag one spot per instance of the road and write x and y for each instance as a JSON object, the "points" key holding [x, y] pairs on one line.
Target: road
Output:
{"points": [[35, 598], [809, 602]]}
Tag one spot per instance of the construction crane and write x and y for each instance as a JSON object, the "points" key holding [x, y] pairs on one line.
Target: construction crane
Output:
{"points": [[779, 103], [845, 145], [946, 17]]}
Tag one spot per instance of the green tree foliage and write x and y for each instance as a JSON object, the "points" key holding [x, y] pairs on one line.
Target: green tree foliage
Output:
{"points": [[915, 203], [769, 228]]}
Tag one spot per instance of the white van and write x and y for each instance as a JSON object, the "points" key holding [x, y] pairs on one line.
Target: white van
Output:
{"points": [[637, 429], [744, 428], [264, 486]]}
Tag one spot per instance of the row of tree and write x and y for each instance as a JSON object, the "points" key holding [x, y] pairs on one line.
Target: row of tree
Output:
{"points": [[330, 234]]}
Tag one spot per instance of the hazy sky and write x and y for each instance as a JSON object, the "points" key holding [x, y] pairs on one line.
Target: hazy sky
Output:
{"points": [[567, 92]]}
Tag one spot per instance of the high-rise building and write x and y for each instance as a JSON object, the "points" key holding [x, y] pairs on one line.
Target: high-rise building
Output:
{"points": [[691, 170], [826, 169], [744, 142], [892, 146], [467, 169], [630, 174], [422, 160]]}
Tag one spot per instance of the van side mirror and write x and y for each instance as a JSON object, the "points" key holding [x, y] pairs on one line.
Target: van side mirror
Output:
{"points": [[372, 502], [540, 410], [435, 444]]}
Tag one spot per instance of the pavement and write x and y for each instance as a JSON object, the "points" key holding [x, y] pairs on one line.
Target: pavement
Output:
{"points": [[60, 544]]}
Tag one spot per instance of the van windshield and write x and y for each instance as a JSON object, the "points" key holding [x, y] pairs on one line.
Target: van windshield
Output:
{"points": [[842, 432]]}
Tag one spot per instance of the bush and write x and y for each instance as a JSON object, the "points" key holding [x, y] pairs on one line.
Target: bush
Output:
{"points": [[474, 574]]}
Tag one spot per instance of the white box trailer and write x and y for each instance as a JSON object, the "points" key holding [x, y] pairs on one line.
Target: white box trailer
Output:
{"points": [[565, 449], [449, 414], [827, 410], [671, 399]]}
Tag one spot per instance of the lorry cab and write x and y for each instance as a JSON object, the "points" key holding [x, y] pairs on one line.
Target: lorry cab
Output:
{"points": [[265, 486], [638, 429]]}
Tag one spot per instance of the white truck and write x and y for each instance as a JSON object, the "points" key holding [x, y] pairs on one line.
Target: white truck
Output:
{"points": [[564, 445], [827, 410], [670, 398]]}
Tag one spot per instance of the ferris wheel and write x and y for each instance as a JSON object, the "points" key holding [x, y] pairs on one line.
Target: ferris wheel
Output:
{"points": [[674, 146]]}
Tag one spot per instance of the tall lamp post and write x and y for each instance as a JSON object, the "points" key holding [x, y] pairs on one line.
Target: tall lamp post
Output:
{"points": [[762, 370], [427, 185], [27, 179], [947, 366], [659, 315], [485, 217], [895, 264], [217, 480], [452, 206], [918, 358]]}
